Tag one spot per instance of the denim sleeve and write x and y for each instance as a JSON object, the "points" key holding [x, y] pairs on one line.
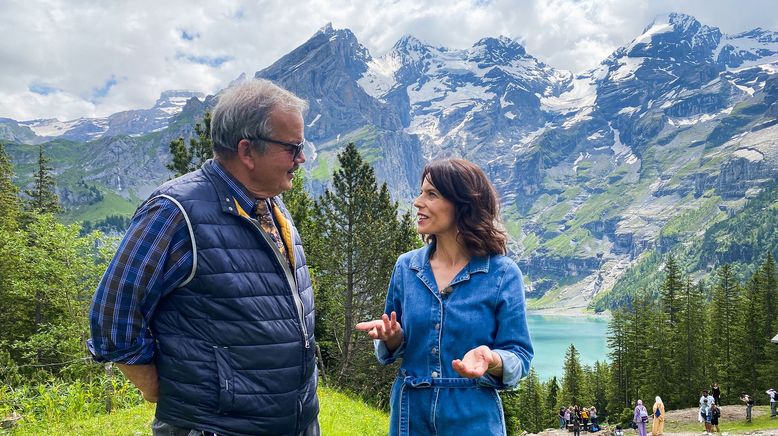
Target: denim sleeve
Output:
{"points": [[152, 259], [512, 341], [393, 304]]}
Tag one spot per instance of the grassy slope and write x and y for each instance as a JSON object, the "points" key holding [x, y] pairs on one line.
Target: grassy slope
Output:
{"points": [[340, 415]]}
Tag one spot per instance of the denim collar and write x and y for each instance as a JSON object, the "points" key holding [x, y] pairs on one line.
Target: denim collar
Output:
{"points": [[420, 262]]}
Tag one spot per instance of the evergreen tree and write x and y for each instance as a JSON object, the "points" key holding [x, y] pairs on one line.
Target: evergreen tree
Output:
{"points": [[691, 340], [42, 198], [552, 403], [572, 378], [9, 193], [724, 315], [600, 379], [531, 412], [618, 397], [189, 158], [359, 239], [670, 290], [748, 349], [770, 283]]}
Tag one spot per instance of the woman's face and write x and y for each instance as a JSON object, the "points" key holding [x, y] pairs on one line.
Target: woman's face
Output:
{"points": [[435, 214]]}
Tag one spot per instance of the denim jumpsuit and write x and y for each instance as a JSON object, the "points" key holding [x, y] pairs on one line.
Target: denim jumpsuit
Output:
{"points": [[485, 306]]}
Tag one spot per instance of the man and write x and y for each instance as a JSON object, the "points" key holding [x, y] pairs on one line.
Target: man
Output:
{"points": [[706, 396], [207, 305], [773, 399], [744, 397]]}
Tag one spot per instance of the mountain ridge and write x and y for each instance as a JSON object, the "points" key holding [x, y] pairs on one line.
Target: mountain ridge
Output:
{"points": [[590, 166]]}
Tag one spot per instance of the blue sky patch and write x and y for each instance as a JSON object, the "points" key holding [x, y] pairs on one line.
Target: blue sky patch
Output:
{"points": [[189, 36], [211, 61], [42, 88], [98, 93]]}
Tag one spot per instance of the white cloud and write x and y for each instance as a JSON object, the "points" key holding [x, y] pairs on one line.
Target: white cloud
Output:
{"points": [[72, 48]]}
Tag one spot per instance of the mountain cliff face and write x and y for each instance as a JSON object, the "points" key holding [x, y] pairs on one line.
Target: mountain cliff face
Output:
{"points": [[591, 167]]}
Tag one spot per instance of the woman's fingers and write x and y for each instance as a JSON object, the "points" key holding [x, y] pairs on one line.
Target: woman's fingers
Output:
{"points": [[367, 325]]}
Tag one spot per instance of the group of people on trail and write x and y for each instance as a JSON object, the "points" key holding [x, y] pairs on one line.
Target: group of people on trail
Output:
{"points": [[208, 308], [576, 418], [709, 410], [748, 400]]}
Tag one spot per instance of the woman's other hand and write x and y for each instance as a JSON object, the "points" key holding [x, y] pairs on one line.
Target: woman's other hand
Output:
{"points": [[478, 362], [386, 329]]}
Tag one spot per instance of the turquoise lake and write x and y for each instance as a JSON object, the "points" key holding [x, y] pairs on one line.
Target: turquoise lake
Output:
{"points": [[553, 334]]}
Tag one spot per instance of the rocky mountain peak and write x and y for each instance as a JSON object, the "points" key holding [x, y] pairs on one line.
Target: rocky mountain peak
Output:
{"points": [[176, 98], [501, 50]]}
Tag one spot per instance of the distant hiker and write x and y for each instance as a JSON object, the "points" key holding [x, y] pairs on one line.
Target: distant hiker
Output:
{"points": [[593, 418], [454, 311], [640, 417], [619, 431], [207, 306], [576, 421], [659, 417], [715, 414], [716, 392], [707, 396], [562, 420], [749, 401], [773, 399], [705, 415]]}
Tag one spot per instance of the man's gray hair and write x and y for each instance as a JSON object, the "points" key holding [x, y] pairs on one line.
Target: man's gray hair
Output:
{"points": [[243, 112]]}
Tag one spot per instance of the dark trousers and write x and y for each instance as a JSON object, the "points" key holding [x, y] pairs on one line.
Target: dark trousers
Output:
{"points": [[161, 428]]}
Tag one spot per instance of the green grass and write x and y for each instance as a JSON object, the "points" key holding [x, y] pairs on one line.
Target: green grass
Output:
{"points": [[340, 415], [112, 204], [761, 421]]}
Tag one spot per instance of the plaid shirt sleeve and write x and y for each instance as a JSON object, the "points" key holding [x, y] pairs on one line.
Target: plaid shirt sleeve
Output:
{"points": [[153, 258]]}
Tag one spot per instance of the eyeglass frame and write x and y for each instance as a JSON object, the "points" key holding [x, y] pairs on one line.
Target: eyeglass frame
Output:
{"points": [[296, 149]]}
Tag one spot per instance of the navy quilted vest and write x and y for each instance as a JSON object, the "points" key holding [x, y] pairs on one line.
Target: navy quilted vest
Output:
{"points": [[235, 347]]}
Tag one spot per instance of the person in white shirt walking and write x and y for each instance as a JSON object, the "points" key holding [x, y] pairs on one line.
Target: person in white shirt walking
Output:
{"points": [[773, 399]]}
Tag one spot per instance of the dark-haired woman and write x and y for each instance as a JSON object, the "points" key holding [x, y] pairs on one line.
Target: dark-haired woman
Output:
{"points": [[454, 311]]}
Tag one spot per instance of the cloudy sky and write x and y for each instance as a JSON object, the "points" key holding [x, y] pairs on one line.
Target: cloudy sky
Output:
{"points": [[77, 58]]}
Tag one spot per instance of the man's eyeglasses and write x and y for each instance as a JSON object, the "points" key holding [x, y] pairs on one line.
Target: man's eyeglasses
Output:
{"points": [[296, 149]]}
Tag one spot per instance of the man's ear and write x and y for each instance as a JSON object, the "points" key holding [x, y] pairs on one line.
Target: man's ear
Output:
{"points": [[246, 153]]}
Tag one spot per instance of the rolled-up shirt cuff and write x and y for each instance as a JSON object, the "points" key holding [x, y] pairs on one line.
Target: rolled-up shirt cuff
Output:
{"points": [[512, 372], [384, 356], [141, 353]]}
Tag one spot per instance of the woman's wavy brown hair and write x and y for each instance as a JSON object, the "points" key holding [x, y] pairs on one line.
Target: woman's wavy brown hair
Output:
{"points": [[476, 206]]}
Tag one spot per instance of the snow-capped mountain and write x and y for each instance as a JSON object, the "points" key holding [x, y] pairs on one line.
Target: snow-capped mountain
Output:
{"points": [[592, 167], [132, 122]]}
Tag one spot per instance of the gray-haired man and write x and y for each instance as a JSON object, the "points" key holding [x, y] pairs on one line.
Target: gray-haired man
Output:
{"points": [[207, 305]]}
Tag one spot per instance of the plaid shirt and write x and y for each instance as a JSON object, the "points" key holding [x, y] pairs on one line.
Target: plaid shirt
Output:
{"points": [[153, 258]]}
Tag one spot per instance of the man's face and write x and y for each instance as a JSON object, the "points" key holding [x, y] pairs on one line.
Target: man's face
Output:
{"points": [[274, 169]]}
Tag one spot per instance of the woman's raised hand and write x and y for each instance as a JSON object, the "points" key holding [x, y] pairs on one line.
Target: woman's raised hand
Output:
{"points": [[386, 329]]}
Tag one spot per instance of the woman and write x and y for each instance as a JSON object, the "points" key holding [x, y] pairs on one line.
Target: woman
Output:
{"points": [[716, 392], [640, 417], [593, 418], [659, 417], [454, 311]]}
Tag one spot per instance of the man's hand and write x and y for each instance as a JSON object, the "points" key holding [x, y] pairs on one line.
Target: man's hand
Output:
{"points": [[386, 329], [144, 377], [478, 362]]}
